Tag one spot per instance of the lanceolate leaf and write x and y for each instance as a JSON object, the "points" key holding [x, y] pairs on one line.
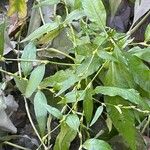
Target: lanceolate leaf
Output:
{"points": [[95, 11], [29, 53], [34, 80], [18, 6], [40, 112], [88, 105], [97, 115], [141, 73], [40, 31], [73, 121], [53, 111], [2, 39], [65, 137], [21, 84], [128, 94], [95, 144], [143, 54], [74, 15]]}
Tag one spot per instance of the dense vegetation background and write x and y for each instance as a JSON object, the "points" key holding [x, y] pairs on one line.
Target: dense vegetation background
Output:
{"points": [[74, 74]]}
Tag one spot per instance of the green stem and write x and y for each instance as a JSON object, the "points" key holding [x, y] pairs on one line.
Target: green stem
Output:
{"points": [[32, 124], [16, 146], [40, 61], [132, 30]]}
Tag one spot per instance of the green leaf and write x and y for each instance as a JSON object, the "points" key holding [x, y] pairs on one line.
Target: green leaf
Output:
{"points": [[119, 75], [65, 137], [73, 121], [124, 122], [140, 72], [95, 10], [143, 54], [88, 105], [73, 96], [97, 115], [74, 15], [21, 84], [17, 6], [53, 111], [68, 83], [40, 113], [2, 37], [88, 67], [106, 55], [95, 144], [40, 31], [34, 80], [127, 94], [49, 36], [56, 79], [147, 33], [29, 53]]}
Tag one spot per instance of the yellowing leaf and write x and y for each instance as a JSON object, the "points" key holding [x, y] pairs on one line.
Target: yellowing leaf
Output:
{"points": [[18, 6]]}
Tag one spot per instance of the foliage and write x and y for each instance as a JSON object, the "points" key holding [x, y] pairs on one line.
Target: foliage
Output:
{"points": [[101, 74]]}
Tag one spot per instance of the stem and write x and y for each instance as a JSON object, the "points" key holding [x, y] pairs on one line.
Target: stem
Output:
{"points": [[89, 84], [16, 146], [147, 123], [41, 61], [132, 30], [57, 51], [32, 124]]}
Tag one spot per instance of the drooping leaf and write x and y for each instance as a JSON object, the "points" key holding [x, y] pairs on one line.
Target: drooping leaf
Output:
{"points": [[141, 7], [68, 83], [53, 111], [29, 53], [141, 73], [128, 94], [123, 121], [74, 15], [106, 56], [17, 6], [73, 121], [95, 11], [88, 105], [118, 75], [143, 54], [65, 137], [40, 112], [49, 36], [95, 144], [88, 67], [56, 79], [73, 96], [97, 115], [40, 31], [34, 80], [21, 84], [2, 38]]}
